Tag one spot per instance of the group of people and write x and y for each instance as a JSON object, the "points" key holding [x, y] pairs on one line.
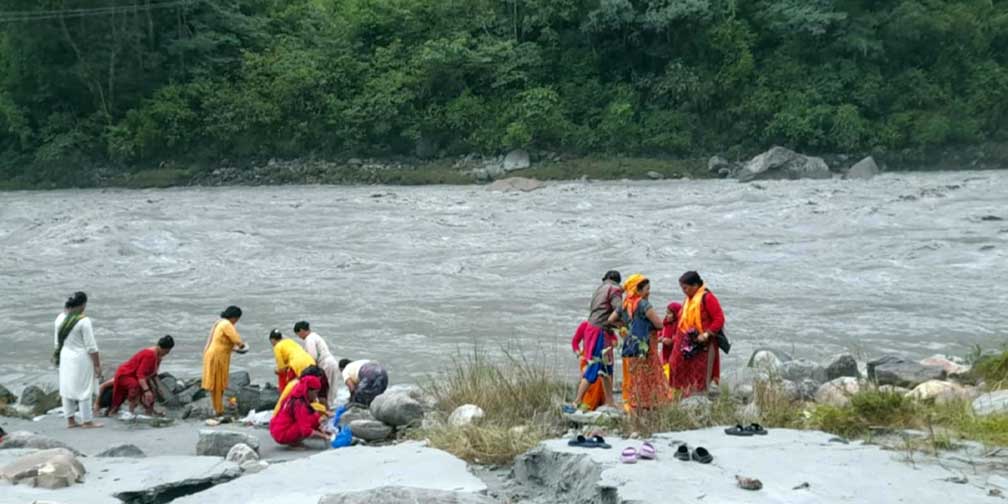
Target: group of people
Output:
{"points": [[308, 375], [663, 358]]}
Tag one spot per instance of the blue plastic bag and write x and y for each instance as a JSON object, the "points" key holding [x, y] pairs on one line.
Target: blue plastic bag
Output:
{"points": [[343, 438]]}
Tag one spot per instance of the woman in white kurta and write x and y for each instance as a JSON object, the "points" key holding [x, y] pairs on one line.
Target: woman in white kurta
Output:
{"points": [[79, 365], [319, 350]]}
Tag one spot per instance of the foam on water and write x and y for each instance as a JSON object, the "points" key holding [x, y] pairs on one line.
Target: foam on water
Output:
{"points": [[911, 263]]}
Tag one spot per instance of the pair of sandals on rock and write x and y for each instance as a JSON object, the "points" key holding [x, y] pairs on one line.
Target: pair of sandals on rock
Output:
{"points": [[753, 429], [631, 455]]}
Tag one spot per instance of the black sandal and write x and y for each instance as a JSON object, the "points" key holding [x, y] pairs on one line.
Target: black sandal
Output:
{"points": [[755, 428], [700, 454], [682, 453], [738, 430]]}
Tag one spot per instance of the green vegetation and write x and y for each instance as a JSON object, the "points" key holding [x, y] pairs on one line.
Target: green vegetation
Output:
{"points": [[133, 84]]}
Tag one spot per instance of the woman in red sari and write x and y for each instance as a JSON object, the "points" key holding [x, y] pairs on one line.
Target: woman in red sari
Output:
{"points": [[136, 379], [644, 385], [297, 420], [699, 324]]}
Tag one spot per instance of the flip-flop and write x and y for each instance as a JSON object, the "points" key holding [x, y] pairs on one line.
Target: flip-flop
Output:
{"points": [[629, 455], [648, 451], [581, 442], [738, 430], [682, 453], [700, 454], [757, 429], [598, 442]]}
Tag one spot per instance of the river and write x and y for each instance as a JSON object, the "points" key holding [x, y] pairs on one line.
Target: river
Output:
{"points": [[912, 263]]}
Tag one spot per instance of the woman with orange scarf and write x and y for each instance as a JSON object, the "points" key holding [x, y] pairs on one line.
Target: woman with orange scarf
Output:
{"points": [[692, 365], [644, 385]]}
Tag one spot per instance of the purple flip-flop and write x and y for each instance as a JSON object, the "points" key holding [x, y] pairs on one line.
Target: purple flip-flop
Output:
{"points": [[648, 451], [629, 455]]}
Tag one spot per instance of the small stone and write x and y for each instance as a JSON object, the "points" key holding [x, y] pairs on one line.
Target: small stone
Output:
{"points": [[123, 450], [467, 414], [653, 175], [749, 483], [370, 430], [516, 160], [218, 443], [241, 453], [837, 392], [941, 392]]}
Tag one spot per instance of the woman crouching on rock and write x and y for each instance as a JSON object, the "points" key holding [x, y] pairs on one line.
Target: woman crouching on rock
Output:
{"points": [[297, 420]]}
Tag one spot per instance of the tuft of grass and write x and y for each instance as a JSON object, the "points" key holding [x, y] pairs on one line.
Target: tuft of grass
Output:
{"points": [[993, 370], [485, 443]]}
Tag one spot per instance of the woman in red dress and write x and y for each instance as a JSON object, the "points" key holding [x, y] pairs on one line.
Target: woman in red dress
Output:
{"points": [[297, 420], [700, 322], [136, 379]]}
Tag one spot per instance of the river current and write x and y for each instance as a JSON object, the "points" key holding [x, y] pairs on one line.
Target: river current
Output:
{"points": [[912, 264]]}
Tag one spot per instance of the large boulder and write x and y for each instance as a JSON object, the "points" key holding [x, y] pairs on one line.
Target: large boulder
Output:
{"points": [[514, 184], [467, 414], [39, 400], [397, 409], [166, 390], [217, 443], [6, 396], [768, 360], [239, 379], [940, 392], [268, 397], [842, 365], [741, 382], [248, 398], [864, 169], [801, 369], [356, 412], [241, 454], [405, 495], [370, 430], [53, 468], [199, 410], [895, 370], [837, 392], [123, 450], [994, 402], [516, 160], [25, 439], [779, 163]]}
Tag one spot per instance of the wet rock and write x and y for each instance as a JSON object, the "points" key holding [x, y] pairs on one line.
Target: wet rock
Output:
{"points": [[6, 396], [719, 165], [516, 160], [53, 468], [991, 403], [123, 450], [837, 392], [218, 443], [768, 360], [239, 379], [467, 414], [199, 410], [25, 439], [842, 365], [241, 453], [801, 369], [397, 408], [864, 169], [514, 184], [894, 370], [166, 392], [39, 400], [356, 412], [405, 495], [370, 430], [268, 397], [779, 163], [248, 398], [941, 392], [653, 175], [170, 382], [190, 393]]}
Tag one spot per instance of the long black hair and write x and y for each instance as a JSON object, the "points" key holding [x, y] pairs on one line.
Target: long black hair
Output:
{"points": [[691, 278], [77, 300], [614, 276], [231, 312]]}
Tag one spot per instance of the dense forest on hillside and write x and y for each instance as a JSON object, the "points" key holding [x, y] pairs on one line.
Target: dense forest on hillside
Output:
{"points": [[131, 83]]}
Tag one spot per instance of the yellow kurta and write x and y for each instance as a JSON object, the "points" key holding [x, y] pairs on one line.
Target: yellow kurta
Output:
{"points": [[317, 406], [217, 355], [290, 355]]}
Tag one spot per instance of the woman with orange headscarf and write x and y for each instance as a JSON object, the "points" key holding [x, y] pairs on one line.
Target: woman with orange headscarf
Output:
{"points": [[693, 366], [644, 385]]}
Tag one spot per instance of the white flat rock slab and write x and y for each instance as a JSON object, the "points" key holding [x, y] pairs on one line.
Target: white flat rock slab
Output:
{"points": [[782, 460], [350, 469]]}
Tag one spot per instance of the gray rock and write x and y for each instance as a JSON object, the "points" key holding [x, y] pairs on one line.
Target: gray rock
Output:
{"points": [[994, 402], [268, 398], [370, 430], [807, 389], [397, 409], [801, 369], [356, 413], [516, 160], [513, 184], [842, 365], [697, 404], [864, 169], [837, 392], [768, 360], [241, 453], [123, 450], [199, 410], [894, 370], [6, 396], [249, 399], [779, 163], [467, 414], [218, 443], [25, 439], [166, 392], [170, 382], [53, 468], [717, 163], [239, 379], [653, 175], [941, 392], [190, 393], [405, 495], [354, 162], [40, 400]]}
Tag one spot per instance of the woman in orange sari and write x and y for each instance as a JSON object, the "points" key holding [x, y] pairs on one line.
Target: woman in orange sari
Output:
{"points": [[644, 384], [223, 339]]}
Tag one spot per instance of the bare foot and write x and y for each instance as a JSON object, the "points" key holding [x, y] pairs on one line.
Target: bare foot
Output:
{"points": [[92, 425], [72, 425]]}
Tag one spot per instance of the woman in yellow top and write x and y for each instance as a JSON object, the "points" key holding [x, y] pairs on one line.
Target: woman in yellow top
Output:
{"points": [[222, 341], [291, 359]]}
